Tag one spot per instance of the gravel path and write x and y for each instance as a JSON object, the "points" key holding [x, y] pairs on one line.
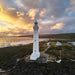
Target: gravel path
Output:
{"points": [[45, 54]]}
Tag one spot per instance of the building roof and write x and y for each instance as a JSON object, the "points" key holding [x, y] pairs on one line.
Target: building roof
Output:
{"points": [[58, 43], [36, 22], [73, 43]]}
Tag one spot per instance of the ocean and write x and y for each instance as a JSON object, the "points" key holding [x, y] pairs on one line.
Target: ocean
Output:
{"points": [[14, 41]]}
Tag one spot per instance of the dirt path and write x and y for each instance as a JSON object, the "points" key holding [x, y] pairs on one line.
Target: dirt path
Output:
{"points": [[45, 54]]}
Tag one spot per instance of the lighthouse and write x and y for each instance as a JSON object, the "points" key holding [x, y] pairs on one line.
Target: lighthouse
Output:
{"points": [[36, 53]]}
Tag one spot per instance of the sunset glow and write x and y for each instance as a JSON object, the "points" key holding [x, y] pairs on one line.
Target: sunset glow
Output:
{"points": [[17, 16]]}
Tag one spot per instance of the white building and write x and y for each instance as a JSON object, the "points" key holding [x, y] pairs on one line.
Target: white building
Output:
{"points": [[48, 44], [36, 53], [73, 43], [58, 43], [58, 61]]}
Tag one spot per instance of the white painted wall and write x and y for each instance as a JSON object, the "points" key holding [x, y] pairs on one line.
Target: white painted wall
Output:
{"points": [[36, 53]]}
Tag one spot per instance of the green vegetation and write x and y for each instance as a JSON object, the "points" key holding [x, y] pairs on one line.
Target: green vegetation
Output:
{"points": [[66, 67], [67, 51], [50, 68], [9, 55]]}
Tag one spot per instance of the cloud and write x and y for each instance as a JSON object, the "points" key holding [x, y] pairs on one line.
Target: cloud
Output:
{"points": [[6, 15], [58, 26], [11, 9], [72, 5], [44, 22], [32, 13], [19, 3], [19, 13], [13, 21], [43, 12], [3, 29], [54, 16]]}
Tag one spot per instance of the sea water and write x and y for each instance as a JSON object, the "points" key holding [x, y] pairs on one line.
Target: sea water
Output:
{"points": [[14, 41]]}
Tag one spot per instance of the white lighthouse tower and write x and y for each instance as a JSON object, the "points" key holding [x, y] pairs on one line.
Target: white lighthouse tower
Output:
{"points": [[36, 53]]}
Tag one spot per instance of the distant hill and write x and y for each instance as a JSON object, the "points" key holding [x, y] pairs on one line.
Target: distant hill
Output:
{"points": [[55, 36], [26, 36], [59, 36]]}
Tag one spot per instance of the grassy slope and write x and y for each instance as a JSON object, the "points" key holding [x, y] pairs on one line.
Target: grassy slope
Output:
{"points": [[51, 68], [65, 68], [67, 50], [9, 55]]}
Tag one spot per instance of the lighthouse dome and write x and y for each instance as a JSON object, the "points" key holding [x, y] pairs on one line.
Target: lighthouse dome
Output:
{"points": [[35, 22]]}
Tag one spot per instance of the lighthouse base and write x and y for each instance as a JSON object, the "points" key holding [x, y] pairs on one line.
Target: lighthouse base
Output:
{"points": [[34, 56]]}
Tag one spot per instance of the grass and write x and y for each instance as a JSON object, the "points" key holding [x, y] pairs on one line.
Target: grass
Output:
{"points": [[67, 51], [9, 55], [50, 68]]}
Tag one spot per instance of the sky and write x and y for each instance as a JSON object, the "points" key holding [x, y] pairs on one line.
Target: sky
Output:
{"points": [[54, 16]]}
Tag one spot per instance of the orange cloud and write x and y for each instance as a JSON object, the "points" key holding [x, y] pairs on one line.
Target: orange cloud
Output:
{"points": [[3, 29], [11, 9], [32, 13], [19, 13], [6, 15], [43, 12], [47, 22], [29, 27], [14, 22], [58, 26]]}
